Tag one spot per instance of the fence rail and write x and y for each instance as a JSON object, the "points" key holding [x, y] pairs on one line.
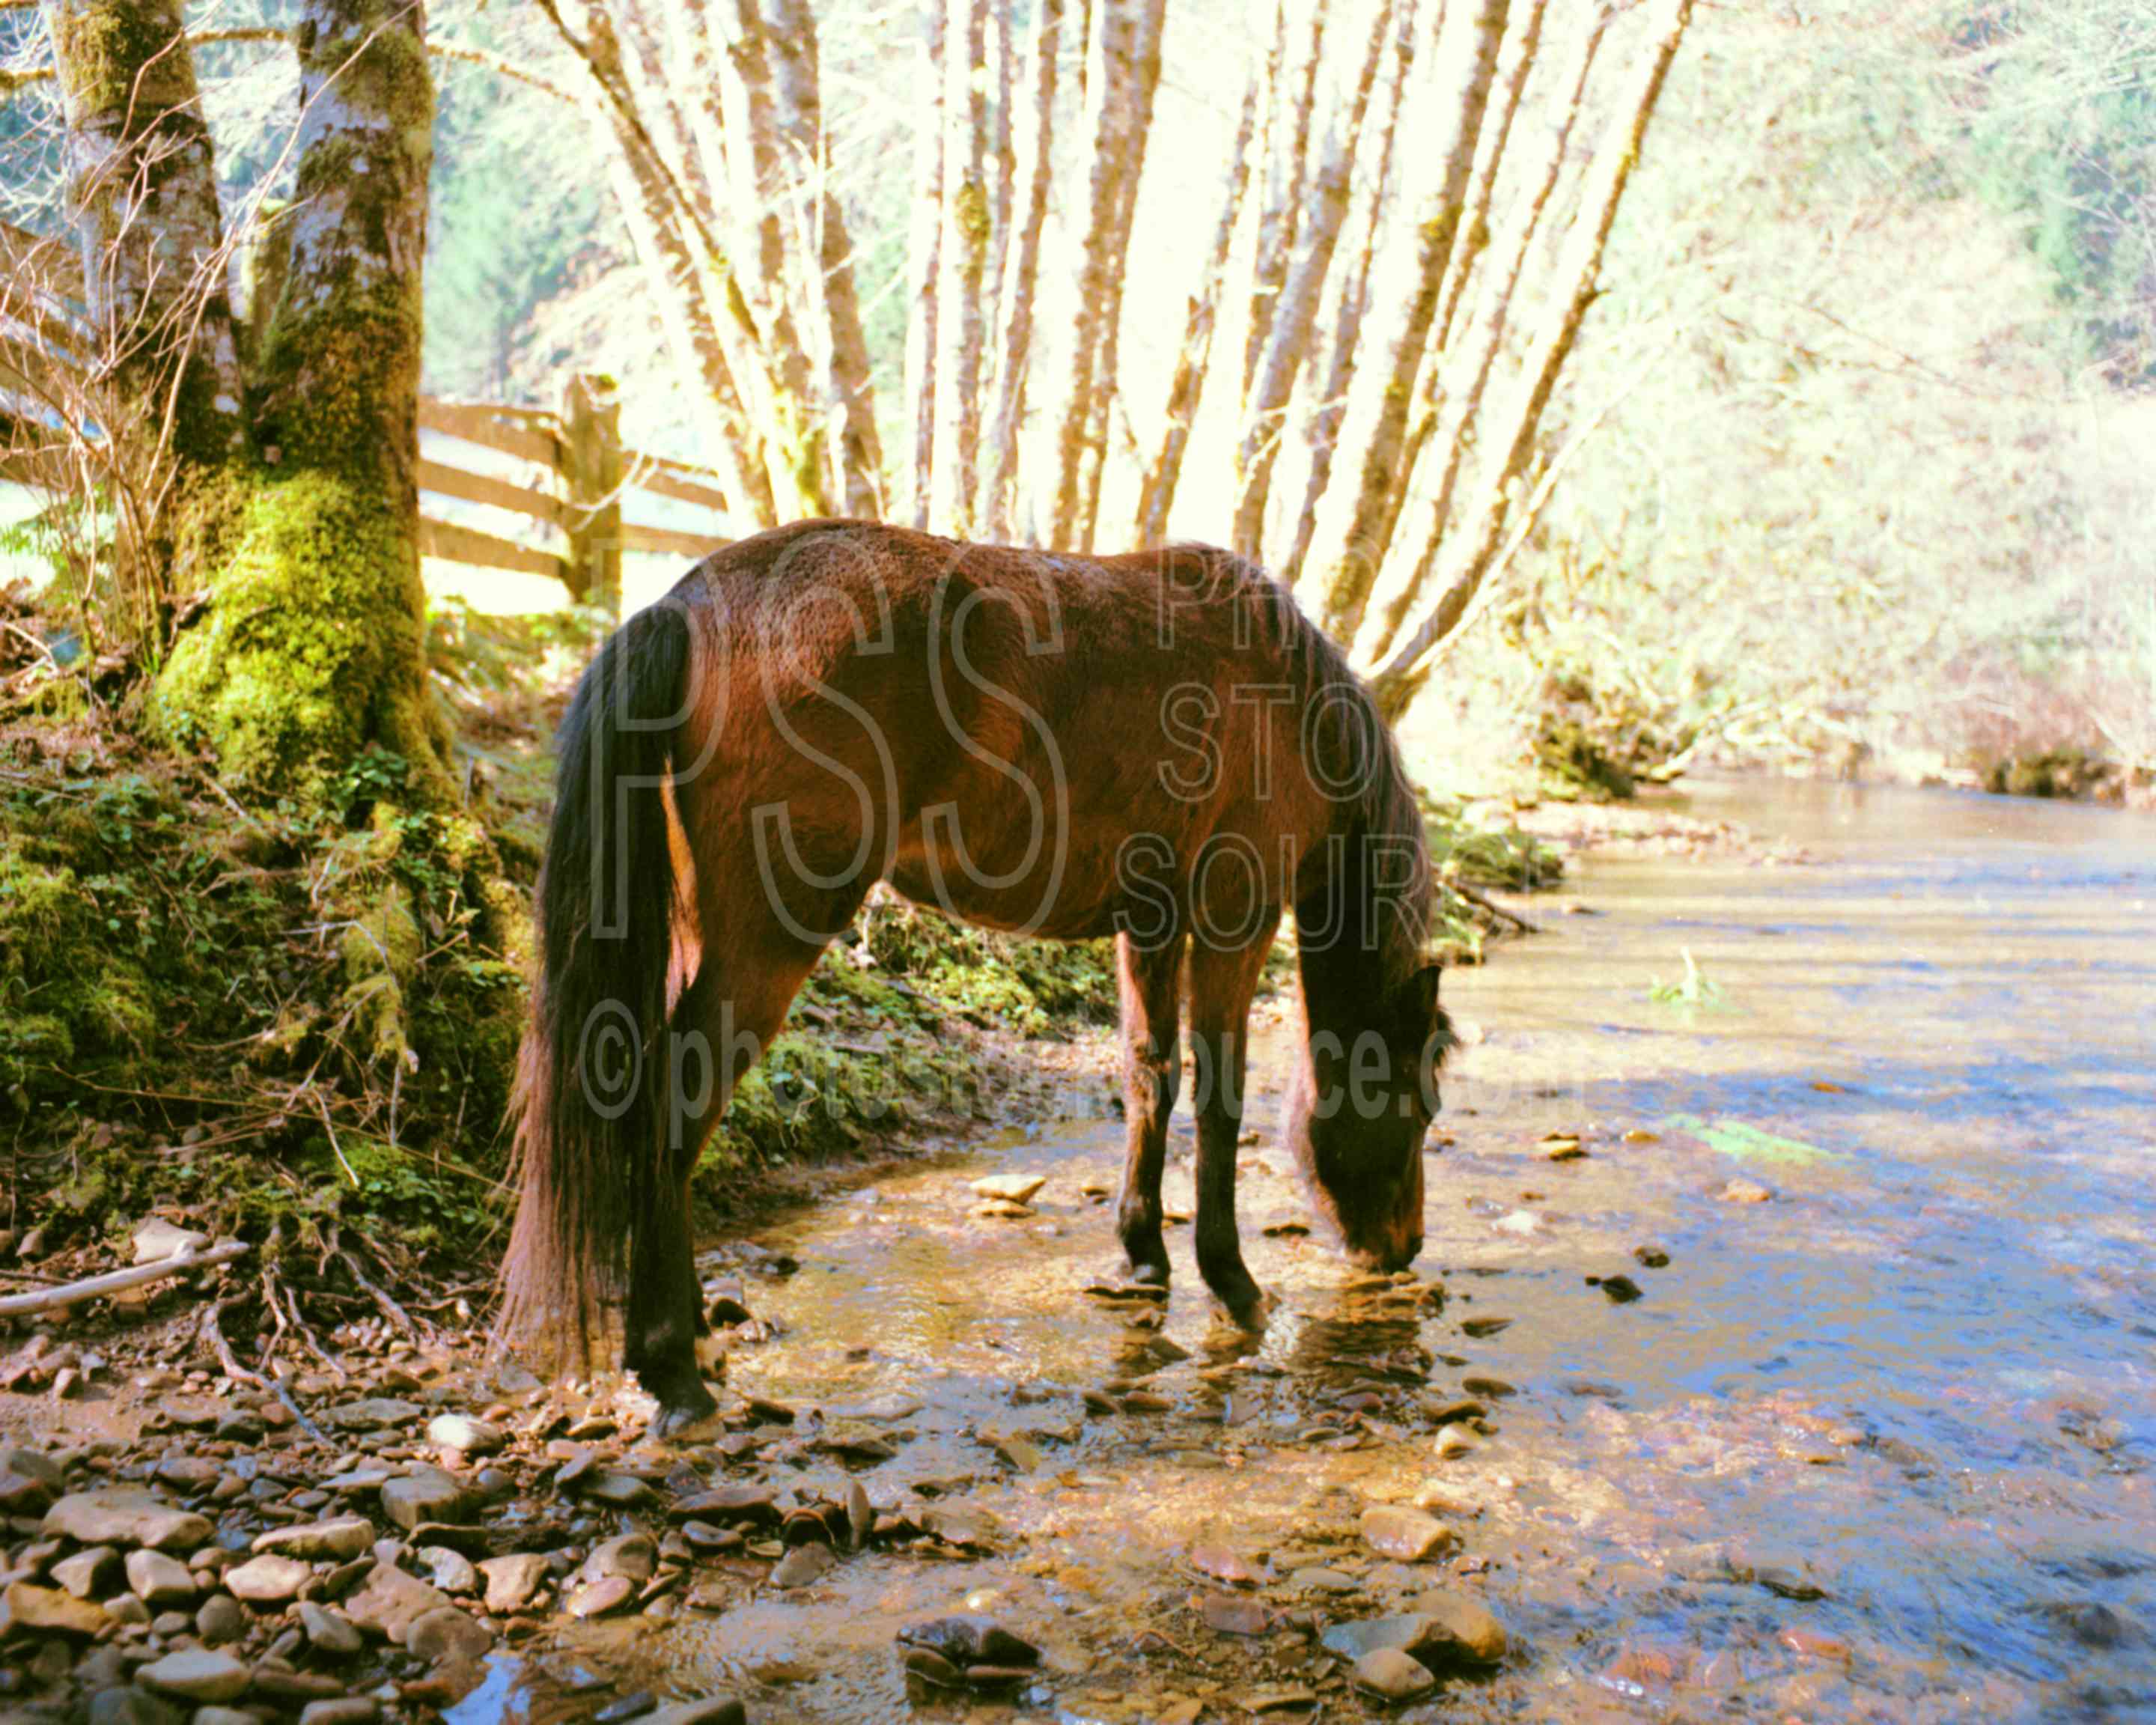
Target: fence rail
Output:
{"points": [[587, 475]]}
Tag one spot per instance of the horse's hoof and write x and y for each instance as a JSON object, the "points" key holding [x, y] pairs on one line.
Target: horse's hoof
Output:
{"points": [[1247, 1306], [1150, 1275], [686, 1418]]}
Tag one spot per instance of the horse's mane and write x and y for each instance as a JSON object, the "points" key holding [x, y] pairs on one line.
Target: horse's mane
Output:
{"points": [[1384, 804]]}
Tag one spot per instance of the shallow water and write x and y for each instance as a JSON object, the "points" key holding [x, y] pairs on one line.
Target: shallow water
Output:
{"points": [[1918, 1380]]}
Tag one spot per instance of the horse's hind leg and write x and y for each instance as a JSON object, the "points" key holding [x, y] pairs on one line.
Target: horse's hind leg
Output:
{"points": [[1147, 981], [1222, 982], [725, 1020]]}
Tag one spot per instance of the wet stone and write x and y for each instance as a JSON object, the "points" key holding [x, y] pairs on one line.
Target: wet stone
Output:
{"points": [[451, 1571], [970, 1639], [596, 1599], [390, 1600], [344, 1710], [623, 1491], [126, 1705], [1409, 1535], [801, 1566], [1392, 1675], [1235, 1614], [632, 1556], [512, 1581], [1743, 1191], [711, 1710], [447, 1632], [1011, 1189], [203, 1674], [1652, 1255], [1456, 1630]]}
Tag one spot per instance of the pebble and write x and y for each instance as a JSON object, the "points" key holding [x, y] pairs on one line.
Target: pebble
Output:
{"points": [[221, 1619], [87, 1574], [329, 1632], [596, 1599], [390, 1600], [1453, 1441], [512, 1581], [1235, 1614], [451, 1571], [632, 1556], [447, 1632], [198, 1674], [1742, 1191], [801, 1566], [270, 1579], [1395, 1531], [334, 1540], [29, 1481], [344, 1710], [428, 1495], [1011, 1189], [126, 1705], [970, 1639], [1392, 1675], [466, 1435], [1652, 1255]]}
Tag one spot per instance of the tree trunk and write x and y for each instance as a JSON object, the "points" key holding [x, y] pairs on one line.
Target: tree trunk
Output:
{"points": [[1297, 309], [310, 649], [1186, 387], [1286, 153], [1354, 301], [1408, 569], [1111, 96], [1011, 370], [962, 251], [1396, 680], [798, 85], [1348, 589], [142, 195], [1106, 376], [923, 261]]}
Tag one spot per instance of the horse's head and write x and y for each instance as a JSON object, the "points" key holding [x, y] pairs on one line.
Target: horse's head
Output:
{"points": [[1360, 1103]]}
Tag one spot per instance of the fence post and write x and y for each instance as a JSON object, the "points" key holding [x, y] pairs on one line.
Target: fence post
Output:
{"points": [[591, 432]]}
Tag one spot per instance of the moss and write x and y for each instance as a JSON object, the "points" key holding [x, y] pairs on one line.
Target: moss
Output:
{"points": [[116, 57], [311, 649]]}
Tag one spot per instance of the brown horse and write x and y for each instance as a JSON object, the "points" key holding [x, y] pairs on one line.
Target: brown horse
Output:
{"points": [[1156, 747]]}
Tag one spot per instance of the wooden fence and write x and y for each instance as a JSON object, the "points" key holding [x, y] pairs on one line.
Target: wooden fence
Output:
{"points": [[586, 479]]}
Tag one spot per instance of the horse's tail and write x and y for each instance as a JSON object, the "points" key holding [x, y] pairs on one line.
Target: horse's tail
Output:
{"points": [[591, 1074]]}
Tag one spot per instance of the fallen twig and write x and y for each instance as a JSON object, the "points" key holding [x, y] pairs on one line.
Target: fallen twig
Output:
{"points": [[212, 1330], [114, 1281], [1483, 902]]}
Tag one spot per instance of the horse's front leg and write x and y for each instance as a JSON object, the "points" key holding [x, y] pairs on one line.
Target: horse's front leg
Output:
{"points": [[1147, 980], [1222, 982]]}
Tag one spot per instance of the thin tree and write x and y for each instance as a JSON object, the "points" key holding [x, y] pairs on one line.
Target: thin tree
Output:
{"points": [[1292, 103], [1579, 272], [923, 261], [961, 254]]}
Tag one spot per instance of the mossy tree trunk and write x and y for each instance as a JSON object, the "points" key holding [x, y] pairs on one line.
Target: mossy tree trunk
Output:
{"points": [[310, 650]]}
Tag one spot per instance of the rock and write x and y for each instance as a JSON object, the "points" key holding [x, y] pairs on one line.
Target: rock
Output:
{"points": [[623, 1491], [596, 1599], [755, 1505], [426, 1496], [1235, 1614], [1453, 1441], [1395, 1531], [1391, 1676], [1222, 1564], [860, 1513], [128, 1609], [87, 1574], [1443, 1631], [451, 1571], [1620, 1289], [1481, 1328], [270, 1579], [221, 1619], [117, 1516], [29, 1481], [464, 1435], [344, 1710], [447, 1632], [123, 1704], [373, 1413], [803, 1564], [336, 1541], [387, 1605], [1743, 1191], [327, 1631], [1790, 1582], [1021, 1453], [157, 1579], [31, 1611], [1653, 1256], [969, 1639], [1011, 1189], [1560, 1147], [197, 1674], [157, 1240], [512, 1581], [632, 1556], [1456, 1631]]}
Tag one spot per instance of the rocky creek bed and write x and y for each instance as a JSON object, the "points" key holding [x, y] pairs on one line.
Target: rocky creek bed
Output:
{"points": [[1777, 1351]]}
